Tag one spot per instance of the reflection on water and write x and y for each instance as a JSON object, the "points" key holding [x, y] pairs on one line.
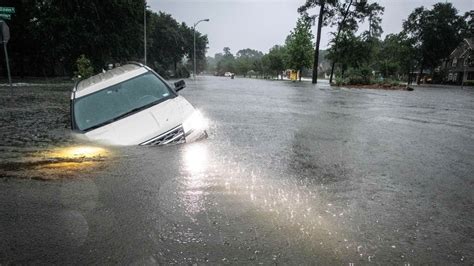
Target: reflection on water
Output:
{"points": [[54, 164], [222, 191], [195, 159], [78, 152]]}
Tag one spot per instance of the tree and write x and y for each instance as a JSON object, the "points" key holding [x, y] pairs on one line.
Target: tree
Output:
{"points": [[299, 46], [226, 62], [246, 60], [55, 33], [396, 56], [84, 67], [276, 59], [352, 52], [167, 42], [373, 12], [325, 12], [435, 33], [201, 47], [347, 17], [468, 29]]}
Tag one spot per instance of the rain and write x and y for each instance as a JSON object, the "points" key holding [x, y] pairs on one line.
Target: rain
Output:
{"points": [[289, 174]]}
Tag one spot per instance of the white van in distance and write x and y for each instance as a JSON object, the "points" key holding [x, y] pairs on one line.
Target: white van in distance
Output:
{"points": [[133, 105]]}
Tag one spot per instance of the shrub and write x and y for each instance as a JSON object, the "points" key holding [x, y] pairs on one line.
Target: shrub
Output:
{"points": [[84, 67], [359, 76], [395, 83], [339, 81], [389, 82]]}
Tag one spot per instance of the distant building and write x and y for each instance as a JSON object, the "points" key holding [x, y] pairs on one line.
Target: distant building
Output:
{"points": [[459, 66]]}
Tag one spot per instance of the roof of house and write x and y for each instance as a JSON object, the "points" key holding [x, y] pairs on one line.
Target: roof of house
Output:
{"points": [[462, 48], [470, 42]]}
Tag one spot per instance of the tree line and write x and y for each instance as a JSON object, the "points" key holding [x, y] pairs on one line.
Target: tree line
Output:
{"points": [[49, 36], [357, 57], [296, 54]]}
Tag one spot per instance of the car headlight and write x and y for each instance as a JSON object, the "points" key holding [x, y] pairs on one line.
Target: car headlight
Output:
{"points": [[195, 122]]}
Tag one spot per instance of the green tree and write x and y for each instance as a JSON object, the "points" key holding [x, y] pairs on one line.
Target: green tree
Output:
{"points": [[166, 45], [299, 46], [276, 59], [326, 12], [352, 52], [468, 29], [265, 66], [201, 47], [246, 60], [435, 33], [346, 18], [55, 33], [226, 62], [396, 56], [84, 67], [373, 12]]}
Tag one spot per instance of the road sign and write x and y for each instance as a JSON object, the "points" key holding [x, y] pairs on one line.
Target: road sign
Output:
{"points": [[7, 9], [5, 16]]}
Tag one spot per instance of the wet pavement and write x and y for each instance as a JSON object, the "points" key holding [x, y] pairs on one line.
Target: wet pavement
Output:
{"points": [[290, 174]]}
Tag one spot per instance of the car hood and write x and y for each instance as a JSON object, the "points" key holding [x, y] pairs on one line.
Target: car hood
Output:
{"points": [[144, 125]]}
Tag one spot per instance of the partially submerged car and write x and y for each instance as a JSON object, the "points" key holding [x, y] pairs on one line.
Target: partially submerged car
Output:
{"points": [[133, 105]]}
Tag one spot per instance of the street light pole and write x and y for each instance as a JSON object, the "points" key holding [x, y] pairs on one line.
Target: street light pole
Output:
{"points": [[194, 42]]}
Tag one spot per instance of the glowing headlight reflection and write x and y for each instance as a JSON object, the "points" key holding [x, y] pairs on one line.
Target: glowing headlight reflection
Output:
{"points": [[195, 122], [196, 158], [79, 152]]}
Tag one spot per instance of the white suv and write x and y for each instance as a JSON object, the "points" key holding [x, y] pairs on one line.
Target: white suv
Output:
{"points": [[133, 105]]}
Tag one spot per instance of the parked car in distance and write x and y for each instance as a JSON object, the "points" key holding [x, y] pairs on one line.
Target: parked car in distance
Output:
{"points": [[133, 105], [228, 74]]}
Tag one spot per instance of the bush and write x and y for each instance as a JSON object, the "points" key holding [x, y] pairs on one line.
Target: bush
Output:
{"points": [[390, 82], [84, 67], [359, 76], [340, 81], [469, 83], [356, 80]]}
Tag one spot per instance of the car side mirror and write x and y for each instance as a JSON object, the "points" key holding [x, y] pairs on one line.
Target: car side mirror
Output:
{"points": [[179, 85]]}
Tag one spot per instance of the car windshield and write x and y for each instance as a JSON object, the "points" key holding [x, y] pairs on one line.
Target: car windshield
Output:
{"points": [[114, 102]]}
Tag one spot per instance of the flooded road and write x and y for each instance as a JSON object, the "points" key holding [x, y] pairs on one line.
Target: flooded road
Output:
{"points": [[290, 174]]}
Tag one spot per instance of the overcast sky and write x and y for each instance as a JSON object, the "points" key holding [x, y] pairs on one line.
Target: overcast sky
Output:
{"points": [[260, 24]]}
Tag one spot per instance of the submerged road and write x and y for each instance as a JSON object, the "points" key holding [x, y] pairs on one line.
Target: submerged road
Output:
{"points": [[290, 174]]}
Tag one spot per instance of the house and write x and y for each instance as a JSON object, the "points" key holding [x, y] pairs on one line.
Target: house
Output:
{"points": [[459, 66]]}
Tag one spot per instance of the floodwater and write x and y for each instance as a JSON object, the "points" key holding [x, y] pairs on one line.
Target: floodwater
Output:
{"points": [[290, 174]]}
